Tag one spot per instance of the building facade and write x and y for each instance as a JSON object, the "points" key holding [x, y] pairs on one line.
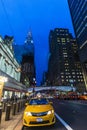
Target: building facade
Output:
{"points": [[64, 66], [78, 11], [27, 70], [9, 67]]}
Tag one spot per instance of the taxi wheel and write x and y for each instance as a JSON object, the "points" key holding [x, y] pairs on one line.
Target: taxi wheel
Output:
{"points": [[24, 128], [53, 125]]}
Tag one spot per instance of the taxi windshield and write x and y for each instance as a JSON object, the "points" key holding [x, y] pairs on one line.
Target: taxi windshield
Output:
{"points": [[41, 101]]}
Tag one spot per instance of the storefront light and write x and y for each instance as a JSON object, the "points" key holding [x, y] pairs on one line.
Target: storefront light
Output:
{"points": [[3, 79]]}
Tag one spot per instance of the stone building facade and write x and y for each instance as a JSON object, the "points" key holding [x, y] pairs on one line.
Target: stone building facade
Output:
{"points": [[9, 68]]}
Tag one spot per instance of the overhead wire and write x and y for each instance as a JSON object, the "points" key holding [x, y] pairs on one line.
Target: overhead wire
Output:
{"points": [[6, 14], [24, 18]]}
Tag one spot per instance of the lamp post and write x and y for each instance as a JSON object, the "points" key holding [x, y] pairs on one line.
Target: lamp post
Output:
{"points": [[34, 83], [71, 83]]}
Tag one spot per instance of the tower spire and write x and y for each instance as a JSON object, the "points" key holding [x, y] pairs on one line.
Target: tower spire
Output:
{"points": [[29, 38]]}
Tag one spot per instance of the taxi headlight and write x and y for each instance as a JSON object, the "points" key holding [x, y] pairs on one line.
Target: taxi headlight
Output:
{"points": [[28, 114], [50, 112]]}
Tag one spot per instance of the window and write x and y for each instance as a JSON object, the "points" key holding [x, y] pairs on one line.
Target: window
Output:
{"points": [[68, 40], [63, 40], [62, 80]]}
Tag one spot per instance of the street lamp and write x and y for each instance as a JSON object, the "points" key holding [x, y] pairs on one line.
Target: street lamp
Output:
{"points": [[71, 83], [34, 83], [2, 81]]}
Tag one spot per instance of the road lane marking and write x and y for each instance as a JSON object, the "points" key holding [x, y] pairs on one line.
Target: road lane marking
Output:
{"points": [[63, 122], [76, 102]]}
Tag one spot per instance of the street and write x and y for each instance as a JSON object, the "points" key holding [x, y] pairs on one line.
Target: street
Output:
{"points": [[73, 113], [70, 115]]}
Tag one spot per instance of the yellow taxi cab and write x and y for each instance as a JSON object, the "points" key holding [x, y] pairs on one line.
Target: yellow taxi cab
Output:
{"points": [[38, 112], [83, 97]]}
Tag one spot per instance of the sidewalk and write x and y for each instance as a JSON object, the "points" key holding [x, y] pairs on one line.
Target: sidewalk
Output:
{"points": [[15, 122]]}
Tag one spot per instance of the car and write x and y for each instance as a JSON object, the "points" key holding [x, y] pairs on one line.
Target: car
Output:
{"points": [[39, 112], [83, 97]]}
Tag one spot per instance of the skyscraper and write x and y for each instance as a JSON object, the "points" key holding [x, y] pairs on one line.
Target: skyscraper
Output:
{"points": [[64, 65], [25, 56], [78, 11], [29, 38]]}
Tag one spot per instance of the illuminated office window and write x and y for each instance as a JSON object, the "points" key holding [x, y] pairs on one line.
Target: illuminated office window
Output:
{"points": [[68, 40], [73, 76], [73, 73], [81, 80], [69, 76]]}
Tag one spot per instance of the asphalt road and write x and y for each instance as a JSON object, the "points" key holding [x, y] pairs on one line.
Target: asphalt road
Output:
{"points": [[70, 115]]}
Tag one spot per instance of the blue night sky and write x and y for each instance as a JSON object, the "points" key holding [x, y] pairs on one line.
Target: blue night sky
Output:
{"points": [[17, 17]]}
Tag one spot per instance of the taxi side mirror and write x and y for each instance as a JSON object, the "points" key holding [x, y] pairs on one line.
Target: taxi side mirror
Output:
{"points": [[26, 104], [51, 103]]}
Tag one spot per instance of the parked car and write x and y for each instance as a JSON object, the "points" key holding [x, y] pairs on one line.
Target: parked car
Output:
{"points": [[38, 112]]}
